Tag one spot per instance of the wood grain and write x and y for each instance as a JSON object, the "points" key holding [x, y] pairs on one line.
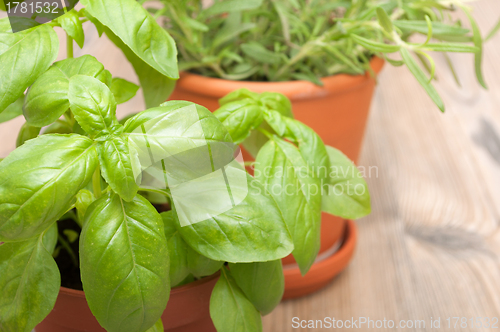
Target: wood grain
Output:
{"points": [[431, 247]]}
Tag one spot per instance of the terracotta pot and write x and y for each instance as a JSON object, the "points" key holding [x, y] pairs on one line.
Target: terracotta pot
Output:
{"points": [[187, 310], [324, 269]]}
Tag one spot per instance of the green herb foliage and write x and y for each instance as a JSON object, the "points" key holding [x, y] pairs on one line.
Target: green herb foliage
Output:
{"points": [[81, 167], [273, 40]]}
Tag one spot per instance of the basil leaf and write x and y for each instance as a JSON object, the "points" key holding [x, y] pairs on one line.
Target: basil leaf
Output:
{"points": [[285, 174], [70, 22], [184, 260], [50, 238], [29, 281], [347, 194], [38, 183], [238, 95], [201, 266], [177, 250], [240, 118], [20, 65], [421, 78], [263, 283], [251, 231], [116, 167], [272, 101], [47, 98], [123, 90], [180, 140], [98, 25], [83, 200], [26, 133], [13, 110], [60, 127], [141, 33], [230, 310], [310, 145], [278, 102], [156, 87], [158, 327], [124, 263], [93, 106]]}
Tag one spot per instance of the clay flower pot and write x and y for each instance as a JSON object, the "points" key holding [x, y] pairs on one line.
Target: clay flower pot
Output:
{"points": [[187, 310], [337, 111]]}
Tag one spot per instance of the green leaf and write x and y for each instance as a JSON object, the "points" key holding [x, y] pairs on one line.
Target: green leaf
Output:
{"points": [[478, 42], [493, 31], [271, 101], [93, 106], [50, 238], [451, 47], [229, 32], [71, 235], [230, 6], [98, 25], [375, 46], [230, 310], [251, 231], [263, 283], [310, 145], [83, 200], [38, 183], [347, 194], [60, 127], [177, 250], [71, 23], [259, 53], [156, 87], [116, 167], [47, 98], [240, 118], [183, 259], [13, 110], [384, 20], [238, 95], [21, 64], [29, 282], [139, 31], [439, 29], [124, 263], [123, 90], [278, 102], [158, 327], [284, 172], [184, 138], [26, 133], [421, 78]]}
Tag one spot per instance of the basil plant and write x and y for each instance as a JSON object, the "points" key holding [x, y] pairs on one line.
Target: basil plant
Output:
{"points": [[156, 200]]}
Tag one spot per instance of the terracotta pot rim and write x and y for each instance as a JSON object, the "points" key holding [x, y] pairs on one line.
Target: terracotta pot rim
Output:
{"points": [[175, 290], [218, 87], [346, 249]]}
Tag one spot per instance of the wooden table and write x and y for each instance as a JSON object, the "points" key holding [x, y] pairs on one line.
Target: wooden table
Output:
{"points": [[431, 247]]}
